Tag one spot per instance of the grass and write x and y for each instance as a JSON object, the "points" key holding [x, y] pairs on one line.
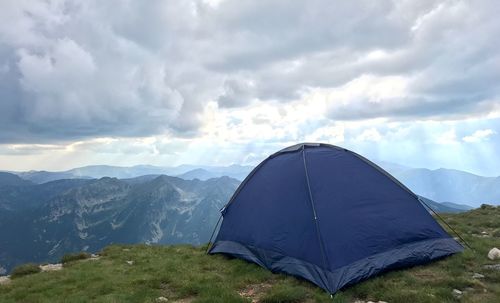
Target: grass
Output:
{"points": [[285, 292], [67, 258], [24, 270], [184, 273]]}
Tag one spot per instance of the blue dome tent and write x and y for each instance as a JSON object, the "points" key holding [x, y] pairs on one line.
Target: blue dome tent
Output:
{"points": [[330, 216]]}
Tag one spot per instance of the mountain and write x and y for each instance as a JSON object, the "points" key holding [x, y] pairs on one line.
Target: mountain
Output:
{"points": [[198, 173], [446, 207], [42, 176], [234, 171], [440, 185], [463, 207], [100, 171], [449, 185], [54, 218], [8, 179], [393, 168], [26, 197], [203, 172]]}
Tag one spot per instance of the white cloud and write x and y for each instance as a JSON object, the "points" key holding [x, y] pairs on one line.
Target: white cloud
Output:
{"points": [[447, 137], [147, 81], [479, 135], [333, 134], [370, 135], [76, 70]]}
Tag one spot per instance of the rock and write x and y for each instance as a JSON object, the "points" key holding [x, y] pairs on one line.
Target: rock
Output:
{"points": [[484, 233], [457, 293], [161, 299], [51, 267], [477, 276], [492, 266], [130, 262], [94, 257], [494, 254], [4, 280]]}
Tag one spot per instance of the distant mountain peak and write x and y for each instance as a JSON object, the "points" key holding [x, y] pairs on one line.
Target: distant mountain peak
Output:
{"points": [[12, 180]]}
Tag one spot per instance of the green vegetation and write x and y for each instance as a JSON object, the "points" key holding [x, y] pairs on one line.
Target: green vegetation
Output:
{"points": [[74, 257], [186, 274], [24, 270], [284, 292]]}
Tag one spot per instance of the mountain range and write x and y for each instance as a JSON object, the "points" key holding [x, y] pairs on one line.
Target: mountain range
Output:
{"points": [[450, 185], [44, 215], [185, 171], [441, 185], [42, 222]]}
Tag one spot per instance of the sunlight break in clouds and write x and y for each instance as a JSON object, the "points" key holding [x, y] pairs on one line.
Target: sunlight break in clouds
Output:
{"points": [[221, 82]]}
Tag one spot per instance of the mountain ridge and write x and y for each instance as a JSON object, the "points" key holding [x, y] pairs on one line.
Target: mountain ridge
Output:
{"points": [[123, 172], [442, 185], [89, 214]]}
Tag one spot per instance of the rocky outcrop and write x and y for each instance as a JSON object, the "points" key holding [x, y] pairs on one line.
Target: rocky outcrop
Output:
{"points": [[51, 267]]}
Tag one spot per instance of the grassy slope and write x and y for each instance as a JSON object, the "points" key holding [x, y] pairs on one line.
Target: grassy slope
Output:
{"points": [[186, 274]]}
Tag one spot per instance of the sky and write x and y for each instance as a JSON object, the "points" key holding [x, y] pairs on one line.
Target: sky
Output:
{"points": [[225, 82]]}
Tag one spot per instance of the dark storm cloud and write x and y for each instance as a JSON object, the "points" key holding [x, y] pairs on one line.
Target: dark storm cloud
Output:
{"points": [[262, 33], [414, 108], [71, 70]]}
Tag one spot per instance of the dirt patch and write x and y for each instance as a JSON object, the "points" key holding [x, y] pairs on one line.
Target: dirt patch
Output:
{"points": [[254, 292]]}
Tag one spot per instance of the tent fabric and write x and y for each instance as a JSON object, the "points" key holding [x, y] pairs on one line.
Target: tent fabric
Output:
{"points": [[330, 216]]}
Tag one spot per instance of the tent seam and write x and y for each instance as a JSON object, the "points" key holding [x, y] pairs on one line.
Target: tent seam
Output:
{"points": [[320, 239]]}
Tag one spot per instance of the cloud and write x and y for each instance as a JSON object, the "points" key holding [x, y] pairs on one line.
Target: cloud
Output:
{"points": [[29, 149], [333, 134], [78, 70], [447, 137], [81, 70], [479, 135], [237, 93], [371, 134], [232, 81]]}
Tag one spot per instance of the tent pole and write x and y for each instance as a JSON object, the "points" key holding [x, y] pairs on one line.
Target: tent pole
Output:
{"points": [[321, 246]]}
